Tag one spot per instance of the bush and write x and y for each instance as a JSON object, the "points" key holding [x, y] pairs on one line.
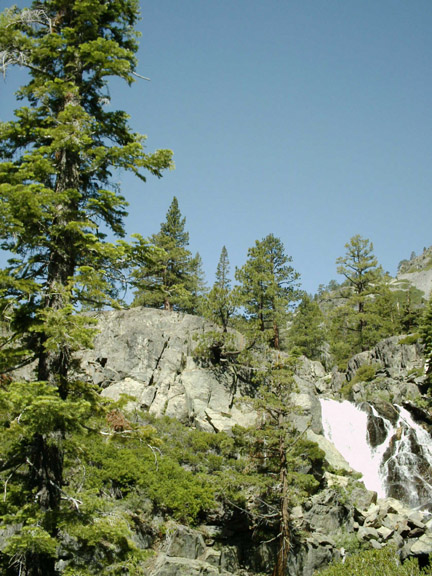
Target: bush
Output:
{"points": [[384, 562]]}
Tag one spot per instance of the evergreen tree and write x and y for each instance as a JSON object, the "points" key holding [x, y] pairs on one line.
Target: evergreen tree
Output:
{"points": [[268, 285], [198, 286], [307, 332], [165, 276], [279, 453], [354, 325], [219, 303], [57, 158]]}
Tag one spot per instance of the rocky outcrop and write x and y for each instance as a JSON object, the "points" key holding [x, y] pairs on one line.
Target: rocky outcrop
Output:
{"points": [[149, 355], [398, 373]]}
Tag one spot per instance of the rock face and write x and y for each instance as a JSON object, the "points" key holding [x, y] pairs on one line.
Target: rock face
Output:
{"points": [[148, 354], [399, 372]]}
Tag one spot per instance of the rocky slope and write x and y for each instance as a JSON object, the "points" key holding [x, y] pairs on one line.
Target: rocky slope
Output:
{"points": [[416, 272], [149, 355]]}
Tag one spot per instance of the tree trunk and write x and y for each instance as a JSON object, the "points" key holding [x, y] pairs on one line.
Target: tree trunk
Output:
{"points": [[281, 565]]}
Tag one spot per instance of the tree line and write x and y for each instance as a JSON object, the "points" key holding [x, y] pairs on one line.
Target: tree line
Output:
{"points": [[341, 320]]}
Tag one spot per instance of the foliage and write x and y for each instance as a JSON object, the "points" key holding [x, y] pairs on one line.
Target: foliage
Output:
{"points": [[165, 274], [426, 336], [217, 347], [279, 454], [267, 288], [384, 562], [219, 304], [366, 373], [362, 319], [307, 332], [57, 202]]}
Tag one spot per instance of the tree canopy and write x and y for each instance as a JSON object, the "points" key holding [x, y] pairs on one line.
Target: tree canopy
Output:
{"points": [[57, 197], [267, 286], [166, 274]]}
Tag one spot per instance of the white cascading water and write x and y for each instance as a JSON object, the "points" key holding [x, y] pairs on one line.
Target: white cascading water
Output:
{"points": [[400, 463]]}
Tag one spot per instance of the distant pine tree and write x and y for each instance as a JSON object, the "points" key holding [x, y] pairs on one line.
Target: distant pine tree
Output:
{"points": [[219, 304], [166, 272]]}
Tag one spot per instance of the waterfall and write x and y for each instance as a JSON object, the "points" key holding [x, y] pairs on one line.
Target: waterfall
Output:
{"points": [[395, 459]]}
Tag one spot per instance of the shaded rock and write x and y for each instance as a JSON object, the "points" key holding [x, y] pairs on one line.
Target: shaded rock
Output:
{"points": [[332, 456], [229, 559], [185, 543], [365, 534], [326, 514], [181, 567], [316, 557]]}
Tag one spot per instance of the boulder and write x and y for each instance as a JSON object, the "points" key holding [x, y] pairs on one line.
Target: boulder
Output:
{"points": [[185, 543]]}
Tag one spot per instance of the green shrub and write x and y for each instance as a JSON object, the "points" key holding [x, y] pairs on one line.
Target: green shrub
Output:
{"points": [[366, 373], [384, 562]]}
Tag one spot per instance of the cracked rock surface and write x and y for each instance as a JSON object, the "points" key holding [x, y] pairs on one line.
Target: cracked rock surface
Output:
{"points": [[148, 354]]}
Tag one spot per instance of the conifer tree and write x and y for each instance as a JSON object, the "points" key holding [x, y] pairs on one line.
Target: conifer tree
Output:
{"points": [[56, 191], [267, 287], [165, 277], [354, 325], [279, 453], [306, 332], [219, 304], [198, 285], [426, 336]]}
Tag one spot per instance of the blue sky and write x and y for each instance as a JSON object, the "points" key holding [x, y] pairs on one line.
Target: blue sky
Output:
{"points": [[307, 119]]}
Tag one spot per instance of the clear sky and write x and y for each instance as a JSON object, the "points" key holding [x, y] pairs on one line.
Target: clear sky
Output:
{"points": [[308, 119]]}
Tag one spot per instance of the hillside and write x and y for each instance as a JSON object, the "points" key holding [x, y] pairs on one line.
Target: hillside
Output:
{"points": [[416, 271], [150, 356]]}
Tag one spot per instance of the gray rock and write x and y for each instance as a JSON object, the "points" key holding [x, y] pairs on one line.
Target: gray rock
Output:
{"points": [[326, 514], [366, 534], [423, 545], [384, 532], [332, 456], [181, 567], [229, 559], [185, 543], [149, 355], [316, 557]]}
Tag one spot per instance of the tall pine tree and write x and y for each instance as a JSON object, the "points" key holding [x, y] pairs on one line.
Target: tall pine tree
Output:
{"points": [[355, 325], [165, 273], [267, 287], [56, 195], [219, 304]]}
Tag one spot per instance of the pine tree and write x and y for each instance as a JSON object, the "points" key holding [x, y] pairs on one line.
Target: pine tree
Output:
{"points": [[164, 277], [267, 287], [56, 192], [426, 336], [198, 286], [219, 303], [279, 453], [354, 325], [306, 332]]}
